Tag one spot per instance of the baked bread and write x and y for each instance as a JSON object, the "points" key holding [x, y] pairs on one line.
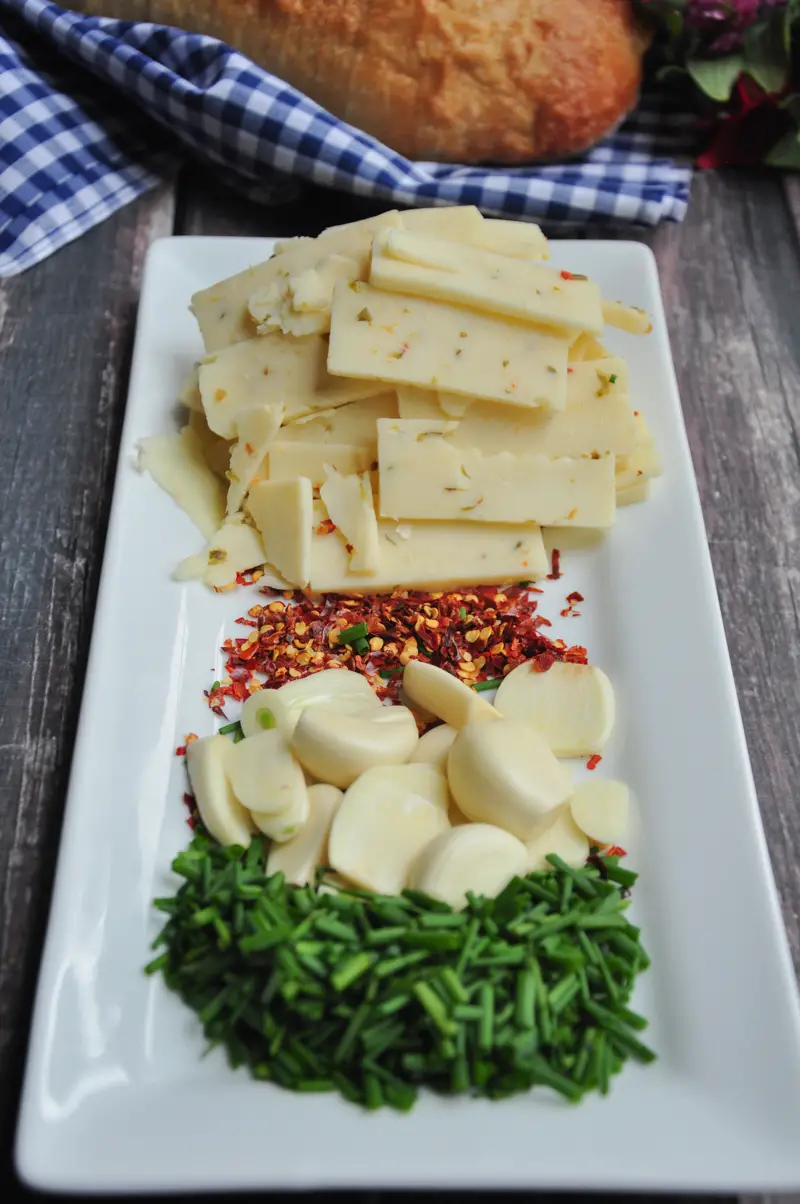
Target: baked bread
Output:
{"points": [[502, 81]]}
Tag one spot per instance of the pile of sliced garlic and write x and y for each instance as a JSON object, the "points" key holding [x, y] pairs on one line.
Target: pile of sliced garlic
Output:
{"points": [[335, 778]]}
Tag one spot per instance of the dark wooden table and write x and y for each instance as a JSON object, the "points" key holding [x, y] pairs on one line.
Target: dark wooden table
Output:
{"points": [[731, 281]]}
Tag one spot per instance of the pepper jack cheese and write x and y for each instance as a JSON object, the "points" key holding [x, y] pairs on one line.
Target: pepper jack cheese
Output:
{"points": [[353, 423], [270, 370], [424, 476], [499, 284], [289, 460], [430, 555], [221, 310], [256, 430], [283, 512], [348, 500], [414, 341]]}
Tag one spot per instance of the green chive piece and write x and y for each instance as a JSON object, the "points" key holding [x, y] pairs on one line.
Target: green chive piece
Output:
{"points": [[231, 728], [350, 634], [491, 683]]}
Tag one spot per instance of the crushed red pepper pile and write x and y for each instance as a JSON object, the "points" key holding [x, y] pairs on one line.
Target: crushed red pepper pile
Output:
{"points": [[478, 634]]}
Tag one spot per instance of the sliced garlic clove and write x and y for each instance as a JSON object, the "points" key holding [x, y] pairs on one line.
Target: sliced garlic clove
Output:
{"points": [[265, 777], [382, 825], [444, 695], [286, 824], [300, 856], [570, 706], [562, 837], [221, 812], [479, 857], [337, 747], [434, 747], [503, 773], [600, 809], [283, 707]]}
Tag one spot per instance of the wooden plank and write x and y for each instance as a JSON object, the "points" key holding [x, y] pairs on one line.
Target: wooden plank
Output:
{"points": [[65, 341], [733, 307]]}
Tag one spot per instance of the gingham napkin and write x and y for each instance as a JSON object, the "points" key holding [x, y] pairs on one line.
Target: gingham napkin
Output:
{"points": [[93, 112]]}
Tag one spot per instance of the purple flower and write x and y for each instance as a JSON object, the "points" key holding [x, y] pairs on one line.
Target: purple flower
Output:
{"points": [[726, 21]]}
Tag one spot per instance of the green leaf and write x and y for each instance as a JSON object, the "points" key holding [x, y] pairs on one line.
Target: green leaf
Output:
{"points": [[785, 152], [765, 56], [716, 77], [791, 14]]}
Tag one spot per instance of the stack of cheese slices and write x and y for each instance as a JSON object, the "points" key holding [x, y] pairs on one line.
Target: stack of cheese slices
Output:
{"points": [[406, 402]]}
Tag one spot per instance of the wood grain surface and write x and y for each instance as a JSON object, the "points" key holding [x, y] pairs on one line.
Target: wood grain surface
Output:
{"points": [[731, 281]]}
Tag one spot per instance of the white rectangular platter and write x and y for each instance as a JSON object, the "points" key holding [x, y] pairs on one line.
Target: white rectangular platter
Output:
{"points": [[118, 1096]]}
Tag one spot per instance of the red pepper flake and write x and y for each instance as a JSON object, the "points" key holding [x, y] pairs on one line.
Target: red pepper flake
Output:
{"points": [[594, 761], [543, 662], [555, 562], [615, 851], [567, 275], [180, 751], [572, 600], [490, 629], [570, 369], [326, 527]]}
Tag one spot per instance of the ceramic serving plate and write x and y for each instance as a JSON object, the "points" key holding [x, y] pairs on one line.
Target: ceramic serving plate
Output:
{"points": [[118, 1096]]}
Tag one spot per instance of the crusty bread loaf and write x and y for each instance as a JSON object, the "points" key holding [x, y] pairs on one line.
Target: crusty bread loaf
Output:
{"points": [[504, 81]]}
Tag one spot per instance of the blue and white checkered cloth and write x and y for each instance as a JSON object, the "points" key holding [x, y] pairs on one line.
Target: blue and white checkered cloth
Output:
{"points": [[93, 112]]}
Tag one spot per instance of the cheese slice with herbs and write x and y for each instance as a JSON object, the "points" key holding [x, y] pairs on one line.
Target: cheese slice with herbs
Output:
{"points": [[423, 475], [521, 240], [222, 310], [455, 223], [414, 341], [353, 423], [348, 500], [293, 459], [235, 548], [271, 370], [256, 430], [598, 427], [644, 462], [417, 265], [177, 464], [419, 403], [429, 555], [283, 513]]}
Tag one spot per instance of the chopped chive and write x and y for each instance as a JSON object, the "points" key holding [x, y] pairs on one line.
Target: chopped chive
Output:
{"points": [[491, 683], [350, 634], [231, 728]]}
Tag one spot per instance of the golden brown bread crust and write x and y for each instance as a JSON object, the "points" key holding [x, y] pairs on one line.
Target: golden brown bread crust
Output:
{"points": [[503, 81]]}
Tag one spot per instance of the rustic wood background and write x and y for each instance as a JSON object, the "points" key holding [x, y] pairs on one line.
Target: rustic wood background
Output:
{"points": [[731, 280]]}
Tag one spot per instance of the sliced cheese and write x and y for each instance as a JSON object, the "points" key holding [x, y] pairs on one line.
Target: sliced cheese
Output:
{"points": [[419, 403], [177, 464], [235, 548], [216, 450], [521, 240], [289, 460], [424, 476], [189, 393], [432, 555], [644, 462], [600, 426], [348, 500], [255, 431], [414, 341], [283, 513], [301, 304], [221, 310], [587, 347], [353, 423], [633, 493], [455, 223], [273, 369], [597, 379], [418, 265]]}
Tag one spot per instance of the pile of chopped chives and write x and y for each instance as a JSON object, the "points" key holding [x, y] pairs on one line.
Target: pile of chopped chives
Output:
{"points": [[375, 996]]}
